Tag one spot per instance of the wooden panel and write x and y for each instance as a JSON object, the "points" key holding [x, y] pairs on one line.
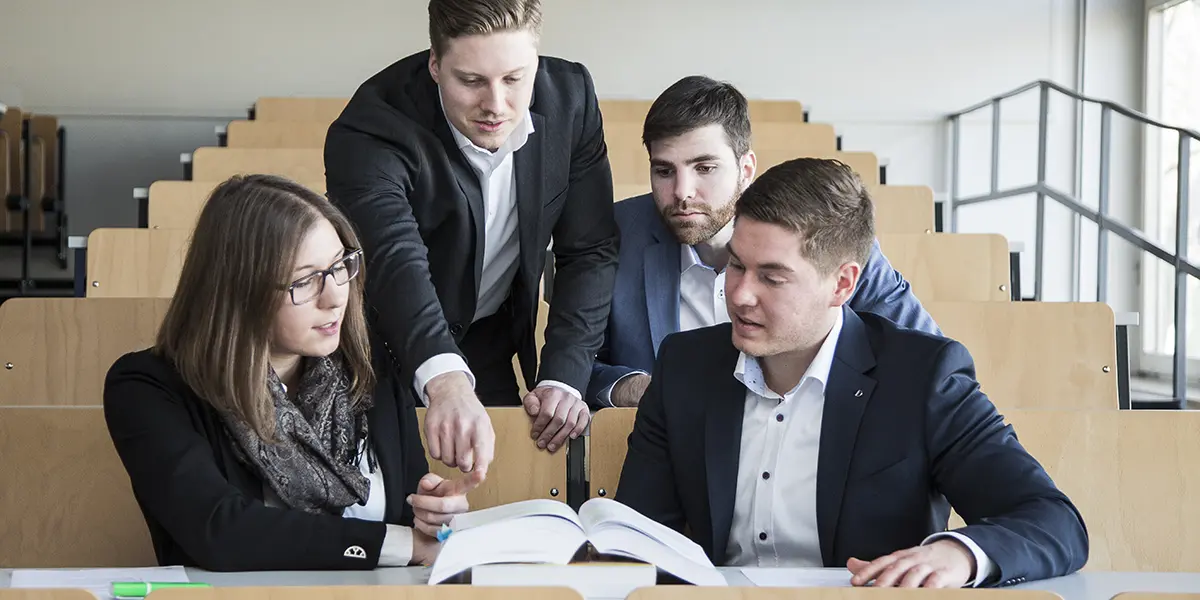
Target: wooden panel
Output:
{"points": [[539, 340], [1037, 354], [63, 478], [519, 470], [39, 594], [135, 263], [903, 208], [177, 204], [276, 134], [951, 267], [627, 111], [631, 164], [60, 349], [316, 110], [761, 111], [626, 191], [609, 441], [372, 592], [12, 174], [664, 592], [1133, 477], [866, 164], [219, 164]]}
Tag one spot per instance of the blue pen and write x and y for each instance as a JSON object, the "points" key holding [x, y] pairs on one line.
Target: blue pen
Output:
{"points": [[444, 533]]}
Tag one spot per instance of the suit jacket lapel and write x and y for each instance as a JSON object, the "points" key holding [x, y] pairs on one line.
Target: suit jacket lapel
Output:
{"points": [[529, 164], [662, 288], [467, 179], [846, 398], [722, 447]]}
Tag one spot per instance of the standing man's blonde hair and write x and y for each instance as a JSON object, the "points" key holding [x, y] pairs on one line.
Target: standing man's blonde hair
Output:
{"points": [[449, 19]]}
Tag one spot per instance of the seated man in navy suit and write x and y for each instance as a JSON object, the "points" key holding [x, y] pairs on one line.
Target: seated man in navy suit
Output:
{"points": [[808, 434], [672, 255]]}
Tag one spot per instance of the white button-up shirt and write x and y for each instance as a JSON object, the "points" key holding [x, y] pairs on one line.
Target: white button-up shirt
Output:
{"points": [[501, 243], [775, 510], [701, 292]]}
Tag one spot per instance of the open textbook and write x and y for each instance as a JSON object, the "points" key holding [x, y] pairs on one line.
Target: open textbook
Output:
{"points": [[549, 532]]}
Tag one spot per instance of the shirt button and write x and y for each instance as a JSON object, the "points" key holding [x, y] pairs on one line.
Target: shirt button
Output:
{"points": [[779, 418], [766, 475], [763, 536]]}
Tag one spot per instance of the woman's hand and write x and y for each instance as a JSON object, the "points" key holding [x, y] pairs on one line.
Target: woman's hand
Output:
{"points": [[437, 501]]}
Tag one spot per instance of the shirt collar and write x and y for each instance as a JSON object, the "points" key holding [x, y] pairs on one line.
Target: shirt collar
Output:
{"points": [[514, 142], [688, 258], [749, 371]]}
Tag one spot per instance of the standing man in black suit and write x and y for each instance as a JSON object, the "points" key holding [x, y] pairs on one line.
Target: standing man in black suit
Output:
{"points": [[458, 165], [807, 434]]}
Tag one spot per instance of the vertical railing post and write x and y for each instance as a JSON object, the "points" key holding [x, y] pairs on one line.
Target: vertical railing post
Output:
{"points": [[1101, 222], [995, 145], [1040, 232], [1179, 373], [952, 204]]}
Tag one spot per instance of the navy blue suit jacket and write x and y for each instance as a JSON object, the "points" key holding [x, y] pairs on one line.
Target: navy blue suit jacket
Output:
{"points": [[906, 433], [645, 301]]}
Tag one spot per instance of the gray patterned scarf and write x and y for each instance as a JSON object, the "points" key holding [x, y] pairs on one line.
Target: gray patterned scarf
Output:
{"points": [[314, 465]]}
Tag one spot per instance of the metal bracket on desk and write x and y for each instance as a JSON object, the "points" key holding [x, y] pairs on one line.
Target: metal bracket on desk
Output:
{"points": [[78, 245], [1014, 269], [141, 197], [577, 487]]}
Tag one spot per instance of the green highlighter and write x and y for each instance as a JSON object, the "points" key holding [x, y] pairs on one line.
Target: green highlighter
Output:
{"points": [[141, 589]]}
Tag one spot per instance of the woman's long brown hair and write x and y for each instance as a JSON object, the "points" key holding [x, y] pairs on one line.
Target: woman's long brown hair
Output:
{"points": [[217, 330]]}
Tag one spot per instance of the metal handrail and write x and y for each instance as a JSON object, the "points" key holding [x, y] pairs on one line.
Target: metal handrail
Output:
{"points": [[1042, 190], [1128, 112]]}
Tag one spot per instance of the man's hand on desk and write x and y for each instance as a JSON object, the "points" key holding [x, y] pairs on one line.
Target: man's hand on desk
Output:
{"points": [[942, 564], [557, 415], [457, 428], [627, 393]]}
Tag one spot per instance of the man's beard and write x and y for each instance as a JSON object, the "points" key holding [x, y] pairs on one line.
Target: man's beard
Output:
{"points": [[691, 234]]}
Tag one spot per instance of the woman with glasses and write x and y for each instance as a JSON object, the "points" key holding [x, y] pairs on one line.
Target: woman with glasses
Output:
{"points": [[265, 430]]}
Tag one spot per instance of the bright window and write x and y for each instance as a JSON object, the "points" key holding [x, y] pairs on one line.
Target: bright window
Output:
{"points": [[1173, 97]]}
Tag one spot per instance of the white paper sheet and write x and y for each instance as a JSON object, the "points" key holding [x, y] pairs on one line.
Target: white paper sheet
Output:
{"points": [[795, 577], [96, 581]]}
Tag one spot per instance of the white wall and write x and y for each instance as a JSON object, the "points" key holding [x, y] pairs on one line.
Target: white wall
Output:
{"points": [[885, 72]]}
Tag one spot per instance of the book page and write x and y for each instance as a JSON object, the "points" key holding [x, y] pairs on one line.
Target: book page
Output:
{"points": [[515, 510], [616, 540], [616, 529], [596, 513], [532, 539]]}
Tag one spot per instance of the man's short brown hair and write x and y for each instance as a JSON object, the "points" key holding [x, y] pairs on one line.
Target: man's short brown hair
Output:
{"points": [[449, 19], [697, 101], [822, 200]]}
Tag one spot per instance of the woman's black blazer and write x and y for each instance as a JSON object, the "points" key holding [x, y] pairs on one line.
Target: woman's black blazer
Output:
{"points": [[205, 509]]}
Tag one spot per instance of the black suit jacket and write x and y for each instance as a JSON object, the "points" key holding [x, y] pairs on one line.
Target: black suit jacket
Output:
{"points": [[921, 433], [393, 167], [205, 509]]}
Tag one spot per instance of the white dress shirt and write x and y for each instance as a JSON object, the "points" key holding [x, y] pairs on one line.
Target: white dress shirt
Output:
{"points": [[775, 509], [501, 244], [701, 292], [701, 301]]}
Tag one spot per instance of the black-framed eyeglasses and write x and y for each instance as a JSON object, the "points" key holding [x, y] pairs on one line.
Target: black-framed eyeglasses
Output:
{"points": [[310, 286]]}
